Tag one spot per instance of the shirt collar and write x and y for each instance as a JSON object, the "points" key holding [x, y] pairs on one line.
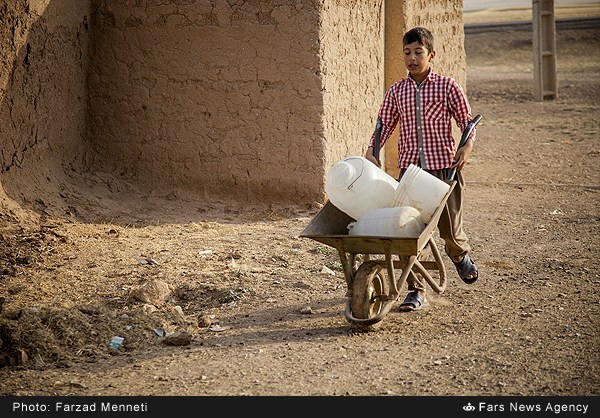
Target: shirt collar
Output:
{"points": [[430, 78]]}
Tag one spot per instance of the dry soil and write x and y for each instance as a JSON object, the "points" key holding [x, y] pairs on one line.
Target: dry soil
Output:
{"points": [[259, 310]]}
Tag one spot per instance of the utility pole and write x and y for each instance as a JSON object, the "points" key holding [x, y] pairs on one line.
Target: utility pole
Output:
{"points": [[544, 50]]}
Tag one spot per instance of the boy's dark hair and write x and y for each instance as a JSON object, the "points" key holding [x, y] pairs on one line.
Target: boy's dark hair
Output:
{"points": [[420, 35]]}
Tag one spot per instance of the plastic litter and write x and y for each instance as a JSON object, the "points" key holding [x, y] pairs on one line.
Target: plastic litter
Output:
{"points": [[116, 342]]}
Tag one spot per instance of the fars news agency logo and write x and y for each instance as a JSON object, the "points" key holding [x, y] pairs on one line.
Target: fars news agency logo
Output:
{"points": [[547, 407]]}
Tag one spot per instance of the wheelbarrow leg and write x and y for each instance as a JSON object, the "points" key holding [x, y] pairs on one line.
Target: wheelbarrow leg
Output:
{"points": [[347, 265], [406, 271], [419, 267], [389, 262]]}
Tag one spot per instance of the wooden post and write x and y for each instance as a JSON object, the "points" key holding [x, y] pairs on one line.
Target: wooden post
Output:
{"points": [[544, 50]]}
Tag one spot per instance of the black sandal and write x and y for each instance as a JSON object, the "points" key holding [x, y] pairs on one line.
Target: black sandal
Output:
{"points": [[414, 301], [466, 268]]}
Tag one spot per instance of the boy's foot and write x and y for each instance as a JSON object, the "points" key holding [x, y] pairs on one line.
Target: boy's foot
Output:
{"points": [[414, 301], [467, 270]]}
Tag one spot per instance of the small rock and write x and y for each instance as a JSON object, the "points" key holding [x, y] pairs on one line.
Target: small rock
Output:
{"points": [[179, 315], [21, 358], [204, 321], [307, 310], [178, 339], [155, 292], [147, 308]]}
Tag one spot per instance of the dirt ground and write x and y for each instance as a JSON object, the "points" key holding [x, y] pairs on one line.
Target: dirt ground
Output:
{"points": [[249, 307]]}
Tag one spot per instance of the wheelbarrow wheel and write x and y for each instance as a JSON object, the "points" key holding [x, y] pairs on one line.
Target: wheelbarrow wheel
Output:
{"points": [[369, 290]]}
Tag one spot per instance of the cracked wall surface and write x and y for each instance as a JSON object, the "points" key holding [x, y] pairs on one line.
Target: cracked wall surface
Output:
{"points": [[444, 18], [43, 67], [252, 100], [212, 96], [352, 57]]}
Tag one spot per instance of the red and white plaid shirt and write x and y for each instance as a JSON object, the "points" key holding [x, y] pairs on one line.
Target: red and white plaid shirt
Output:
{"points": [[425, 115]]}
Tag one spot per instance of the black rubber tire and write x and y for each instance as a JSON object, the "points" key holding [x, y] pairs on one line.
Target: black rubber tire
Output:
{"points": [[368, 287]]}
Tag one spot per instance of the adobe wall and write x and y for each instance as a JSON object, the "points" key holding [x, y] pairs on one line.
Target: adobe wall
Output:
{"points": [[217, 100], [444, 19], [43, 65], [352, 65], [243, 99]]}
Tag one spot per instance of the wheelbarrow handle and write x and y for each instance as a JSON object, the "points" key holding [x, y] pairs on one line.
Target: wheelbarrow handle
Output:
{"points": [[463, 140], [377, 142]]}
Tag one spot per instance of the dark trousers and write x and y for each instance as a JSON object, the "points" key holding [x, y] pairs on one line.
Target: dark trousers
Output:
{"points": [[450, 225]]}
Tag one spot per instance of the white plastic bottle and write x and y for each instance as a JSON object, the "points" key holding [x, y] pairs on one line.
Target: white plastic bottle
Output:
{"points": [[399, 222], [421, 190], [355, 185]]}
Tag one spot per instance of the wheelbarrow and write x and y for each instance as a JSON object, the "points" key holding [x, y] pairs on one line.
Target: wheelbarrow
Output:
{"points": [[372, 284]]}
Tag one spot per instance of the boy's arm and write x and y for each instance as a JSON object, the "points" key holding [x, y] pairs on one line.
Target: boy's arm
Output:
{"points": [[461, 112], [460, 107]]}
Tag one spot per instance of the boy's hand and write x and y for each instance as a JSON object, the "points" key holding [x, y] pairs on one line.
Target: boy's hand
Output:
{"points": [[462, 155], [369, 156]]}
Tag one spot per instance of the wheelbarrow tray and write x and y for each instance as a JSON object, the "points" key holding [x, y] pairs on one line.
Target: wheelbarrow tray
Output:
{"points": [[330, 227]]}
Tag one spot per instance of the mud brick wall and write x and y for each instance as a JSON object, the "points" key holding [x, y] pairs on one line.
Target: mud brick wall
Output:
{"points": [[352, 67], [444, 19], [214, 97], [43, 69], [252, 100]]}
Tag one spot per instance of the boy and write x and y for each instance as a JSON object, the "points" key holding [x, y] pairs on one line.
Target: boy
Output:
{"points": [[424, 104]]}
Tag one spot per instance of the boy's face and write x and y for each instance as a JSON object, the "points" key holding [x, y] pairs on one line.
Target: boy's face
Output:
{"points": [[417, 59]]}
